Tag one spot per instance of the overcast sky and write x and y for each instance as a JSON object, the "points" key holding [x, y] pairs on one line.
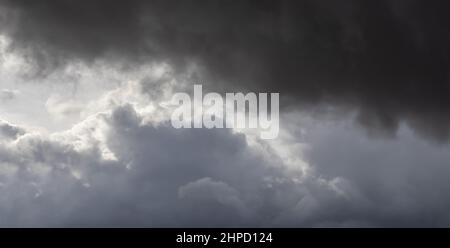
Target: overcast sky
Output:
{"points": [[86, 139]]}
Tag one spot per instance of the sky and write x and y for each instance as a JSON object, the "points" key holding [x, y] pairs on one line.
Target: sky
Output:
{"points": [[86, 138]]}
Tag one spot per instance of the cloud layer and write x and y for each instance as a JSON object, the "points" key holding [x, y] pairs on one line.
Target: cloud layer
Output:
{"points": [[120, 167], [85, 138], [124, 165], [389, 61]]}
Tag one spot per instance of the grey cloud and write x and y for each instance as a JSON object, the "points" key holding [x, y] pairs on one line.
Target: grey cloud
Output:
{"points": [[10, 131], [216, 195], [158, 178], [155, 178], [399, 182], [7, 95], [389, 61], [386, 60]]}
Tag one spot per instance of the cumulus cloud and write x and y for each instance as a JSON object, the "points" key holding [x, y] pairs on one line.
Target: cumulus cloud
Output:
{"points": [[124, 165], [116, 161], [117, 168]]}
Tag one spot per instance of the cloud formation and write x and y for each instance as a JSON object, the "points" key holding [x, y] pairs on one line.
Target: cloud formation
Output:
{"points": [[122, 164], [117, 168], [389, 61]]}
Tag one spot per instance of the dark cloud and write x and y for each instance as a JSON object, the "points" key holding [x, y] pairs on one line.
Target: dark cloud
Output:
{"points": [[388, 60], [394, 179], [8, 131], [118, 168], [223, 185]]}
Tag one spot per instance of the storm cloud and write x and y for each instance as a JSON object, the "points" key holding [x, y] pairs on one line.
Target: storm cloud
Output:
{"points": [[122, 167], [387, 60], [85, 137], [118, 169]]}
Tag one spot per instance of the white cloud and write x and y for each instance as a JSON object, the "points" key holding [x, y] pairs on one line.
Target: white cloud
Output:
{"points": [[127, 166]]}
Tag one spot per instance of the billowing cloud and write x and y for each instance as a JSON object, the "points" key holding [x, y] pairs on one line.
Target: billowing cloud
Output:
{"points": [[124, 165], [85, 137], [378, 58], [119, 168]]}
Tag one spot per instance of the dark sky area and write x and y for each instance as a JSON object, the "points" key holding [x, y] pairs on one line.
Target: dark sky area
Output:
{"points": [[387, 59], [380, 65]]}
